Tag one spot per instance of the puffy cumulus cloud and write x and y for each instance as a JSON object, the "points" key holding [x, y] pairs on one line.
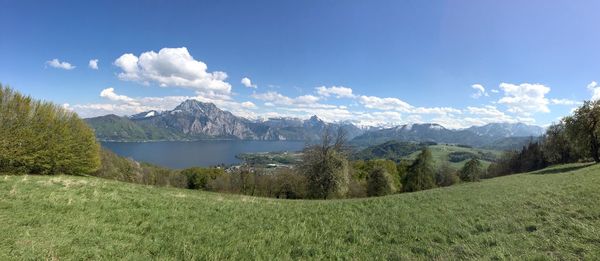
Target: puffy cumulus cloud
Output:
{"points": [[56, 63], [93, 64], [373, 102], [172, 67], [336, 91], [480, 91], [248, 83], [525, 99], [595, 89]]}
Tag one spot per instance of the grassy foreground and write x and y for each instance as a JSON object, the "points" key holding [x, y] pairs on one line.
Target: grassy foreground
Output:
{"points": [[551, 214]]}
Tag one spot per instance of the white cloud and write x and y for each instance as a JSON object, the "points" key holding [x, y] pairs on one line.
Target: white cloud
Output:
{"points": [[564, 102], [480, 91], [60, 65], [124, 105], [248, 104], [173, 67], [248, 83], [93, 64], [275, 98], [373, 102], [495, 91], [435, 110], [110, 94], [337, 91], [595, 89], [525, 99]]}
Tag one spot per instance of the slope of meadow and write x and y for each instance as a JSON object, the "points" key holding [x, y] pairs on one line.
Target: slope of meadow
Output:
{"points": [[553, 213]]}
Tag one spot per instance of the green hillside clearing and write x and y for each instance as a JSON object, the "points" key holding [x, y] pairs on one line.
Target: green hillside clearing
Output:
{"points": [[550, 214], [441, 154]]}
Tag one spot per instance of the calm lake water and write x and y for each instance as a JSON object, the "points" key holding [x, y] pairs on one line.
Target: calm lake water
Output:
{"points": [[184, 154]]}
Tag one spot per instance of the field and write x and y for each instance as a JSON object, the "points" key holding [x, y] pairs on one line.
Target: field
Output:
{"points": [[441, 152], [549, 214]]}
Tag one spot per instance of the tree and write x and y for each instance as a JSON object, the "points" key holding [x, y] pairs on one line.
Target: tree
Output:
{"points": [[380, 182], [471, 171], [557, 147], [421, 175], [583, 128], [44, 138], [446, 176], [325, 166]]}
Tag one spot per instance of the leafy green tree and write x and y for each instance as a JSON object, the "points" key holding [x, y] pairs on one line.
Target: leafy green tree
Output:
{"points": [[380, 182], [557, 147], [198, 178], [471, 171], [43, 138], [420, 175], [325, 166], [583, 129], [446, 176]]}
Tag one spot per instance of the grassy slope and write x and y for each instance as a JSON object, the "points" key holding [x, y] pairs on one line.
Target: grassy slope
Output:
{"points": [[553, 215], [440, 154]]}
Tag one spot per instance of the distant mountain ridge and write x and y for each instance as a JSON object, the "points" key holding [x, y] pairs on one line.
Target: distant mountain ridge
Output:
{"points": [[195, 120]]}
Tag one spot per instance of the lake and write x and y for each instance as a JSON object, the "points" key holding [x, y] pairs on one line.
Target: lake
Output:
{"points": [[184, 154]]}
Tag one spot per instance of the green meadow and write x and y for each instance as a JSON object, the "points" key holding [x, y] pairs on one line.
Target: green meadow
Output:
{"points": [[549, 214]]}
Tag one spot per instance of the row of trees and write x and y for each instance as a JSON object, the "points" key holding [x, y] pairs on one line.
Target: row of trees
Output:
{"points": [[43, 138], [574, 138]]}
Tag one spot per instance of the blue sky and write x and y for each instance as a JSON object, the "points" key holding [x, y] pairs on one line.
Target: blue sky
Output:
{"points": [[457, 63]]}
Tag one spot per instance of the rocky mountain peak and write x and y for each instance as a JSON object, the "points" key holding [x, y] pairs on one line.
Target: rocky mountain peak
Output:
{"points": [[194, 106]]}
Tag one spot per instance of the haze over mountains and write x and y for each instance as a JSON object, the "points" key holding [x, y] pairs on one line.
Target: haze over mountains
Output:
{"points": [[193, 120]]}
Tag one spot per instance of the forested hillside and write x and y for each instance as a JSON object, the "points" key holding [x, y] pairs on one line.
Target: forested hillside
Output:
{"points": [[39, 137]]}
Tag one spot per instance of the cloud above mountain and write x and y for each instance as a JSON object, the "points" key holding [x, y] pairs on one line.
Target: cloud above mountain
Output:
{"points": [[173, 67], [525, 99]]}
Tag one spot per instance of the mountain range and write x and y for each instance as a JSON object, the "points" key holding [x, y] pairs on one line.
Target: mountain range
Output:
{"points": [[195, 120]]}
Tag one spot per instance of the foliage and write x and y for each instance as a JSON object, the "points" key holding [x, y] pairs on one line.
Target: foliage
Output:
{"points": [[128, 170], [583, 129], [420, 175], [472, 171], [284, 183], [380, 182], [446, 176], [530, 158], [557, 146], [43, 138], [197, 177], [326, 167]]}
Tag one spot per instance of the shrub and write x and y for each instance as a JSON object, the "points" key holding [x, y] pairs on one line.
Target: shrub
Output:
{"points": [[197, 177], [380, 182]]}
